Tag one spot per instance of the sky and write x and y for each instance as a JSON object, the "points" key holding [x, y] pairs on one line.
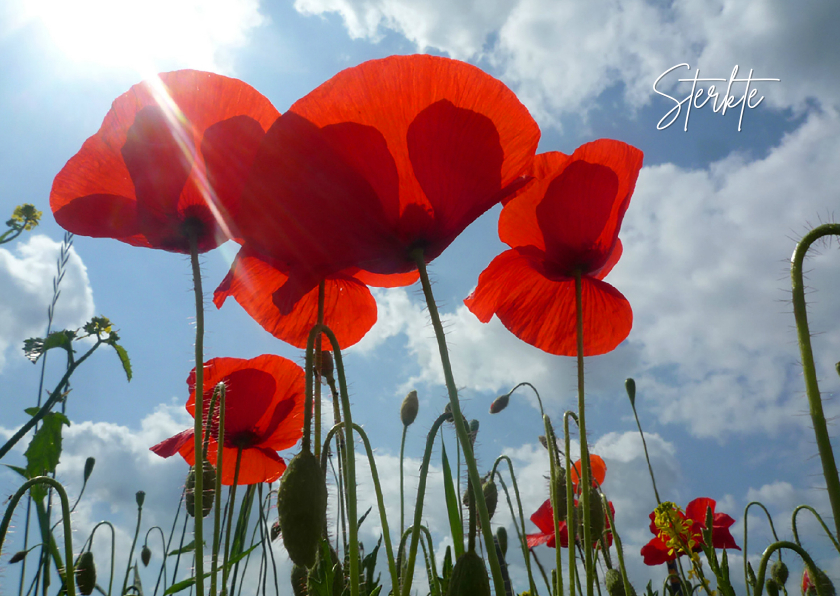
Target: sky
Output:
{"points": [[718, 208]]}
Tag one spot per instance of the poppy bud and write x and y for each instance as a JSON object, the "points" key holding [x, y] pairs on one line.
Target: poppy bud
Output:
{"points": [[500, 403], [630, 386], [596, 514], [18, 556], [502, 537], [89, 463], [140, 497], [274, 532], [473, 430], [409, 408], [302, 508], [469, 577], [85, 573], [327, 365], [299, 577], [146, 555], [809, 587], [772, 587], [750, 575], [615, 584], [209, 489], [779, 572], [491, 497]]}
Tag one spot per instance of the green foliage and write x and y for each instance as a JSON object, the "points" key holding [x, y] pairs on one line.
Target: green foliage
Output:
{"points": [[368, 567], [326, 577], [34, 347], [452, 506], [44, 450]]}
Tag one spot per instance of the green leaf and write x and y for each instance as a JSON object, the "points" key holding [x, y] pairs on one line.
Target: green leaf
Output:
{"points": [[17, 469], [184, 584], [368, 567], [452, 506], [181, 585], [44, 451], [187, 548], [126, 363], [34, 347]]}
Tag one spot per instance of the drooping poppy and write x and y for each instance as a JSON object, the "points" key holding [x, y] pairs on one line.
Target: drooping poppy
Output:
{"points": [[676, 531], [263, 415], [543, 518], [566, 220], [384, 158], [170, 158]]}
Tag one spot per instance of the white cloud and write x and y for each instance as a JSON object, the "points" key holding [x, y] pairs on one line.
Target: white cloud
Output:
{"points": [[26, 276], [560, 55]]}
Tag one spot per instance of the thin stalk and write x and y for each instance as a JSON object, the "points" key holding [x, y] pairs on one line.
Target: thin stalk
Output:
{"points": [[402, 484], [647, 455], [537, 393], [133, 544], [570, 503], [162, 543], [339, 448], [796, 531], [584, 448], [232, 504], [522, 539], [800, 313], [628, 589], [463, 436], [113, 548], [221, 390], [266, 532], [555, 513], [321, 296], [199, 403]]}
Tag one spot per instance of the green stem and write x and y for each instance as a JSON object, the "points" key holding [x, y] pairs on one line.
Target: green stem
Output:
{"points": [[644, 445], [832, 480], [537, 393], [199, 404], [628, 589], [555, 511], [232, 504], [570, 503], [402, 485], [461, 429], [133, 544], [796, 531], [772, 528], [318, 368], [339, 448], [65, 512], [809, 563], [522, 540], [221, 390], [113, 548], [377, 486], [584, 448]]}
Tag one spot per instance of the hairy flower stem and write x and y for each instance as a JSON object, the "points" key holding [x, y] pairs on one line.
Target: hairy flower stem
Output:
{"points": [[317, 400], [221, 390], [199, 403], [133, 544], [552, 466], [522, 540], [339, 449], [113, 549], [460, 427], [570, 504], [65, 514], [806, 558], [349, 453], [584, 448], [832, 480], [232, 504]]}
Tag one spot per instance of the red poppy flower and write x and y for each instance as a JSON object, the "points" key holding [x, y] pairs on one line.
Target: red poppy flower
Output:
{"points": [[349, 308], [566, 220], [171, 154], [263, 415], [657, 551], [543, 518], [383, 158]]}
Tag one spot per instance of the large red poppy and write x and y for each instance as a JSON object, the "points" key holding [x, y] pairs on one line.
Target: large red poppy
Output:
{"points": [[657, 552], [171, 155], [383, 158], [566, 220], [543, 518], [263, 415]]}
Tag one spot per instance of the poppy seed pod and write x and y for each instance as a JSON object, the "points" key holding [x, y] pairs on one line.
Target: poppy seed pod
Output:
{"points": [[500, 403], [596, 515], [209, 489], [409, 408], [302, 508], [469, 577], [85, 573], [560, 487], [146, 555], [89, 463]]}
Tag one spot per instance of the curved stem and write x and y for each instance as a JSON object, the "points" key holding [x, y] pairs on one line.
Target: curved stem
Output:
{"points": [[113, 549], [772, 528], [133, 544], [832, 480], [418, 508], [809, 563], [522, 539], [199, 403], [463, 435], [537, 393], [65, 512], [377, 486], [163, 545], [819, 519]]}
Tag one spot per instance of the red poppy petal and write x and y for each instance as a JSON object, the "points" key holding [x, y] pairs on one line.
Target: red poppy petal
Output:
{"points": [[102, 216], [598, 469], [696, 509], [538, 539], [171, 446], [250, 391], [258, 465], [655, 552], [349, 307], [612, 259], [378, 280], [543, 517], [541, 311]]}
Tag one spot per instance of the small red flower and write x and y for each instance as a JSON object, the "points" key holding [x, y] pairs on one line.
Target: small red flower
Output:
{"points": [[386, 157], [543, 518], [172, 154], [598, 468], [263, 415], [566, 220], [657, 551]]}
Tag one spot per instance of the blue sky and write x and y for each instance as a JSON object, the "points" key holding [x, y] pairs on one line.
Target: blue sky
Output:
{"points": [[708, 238]]}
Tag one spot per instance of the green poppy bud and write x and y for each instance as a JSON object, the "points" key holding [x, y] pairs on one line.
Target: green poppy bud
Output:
{"points": [[596, 515], [209, 489], [560, 487], [89, 463], [500, 403], [772, 587], [140, 497], [18, 556], [409, 408], [299, 577], [85, 573], [750, 575], [302, 508], [630, 386], [469, 577], [146, 555], [472, 429], [491, 497], [779, 572], [327, 365], [614, 582], [502, 537]]}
